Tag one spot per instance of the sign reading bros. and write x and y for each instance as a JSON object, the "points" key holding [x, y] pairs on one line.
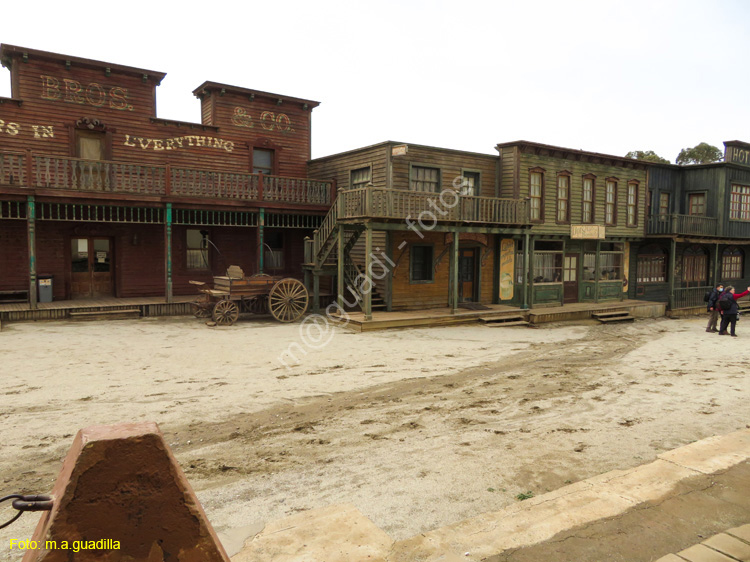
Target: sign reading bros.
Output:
{"points": [[93, 94]]}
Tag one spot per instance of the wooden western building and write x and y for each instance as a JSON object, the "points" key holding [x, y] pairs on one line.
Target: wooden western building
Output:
{"points": [[107, 199], [697, 230]]}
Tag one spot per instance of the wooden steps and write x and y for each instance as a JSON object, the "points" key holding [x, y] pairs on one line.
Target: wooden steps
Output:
{"points": [[502, 321], [125, 314], [613, 316]]}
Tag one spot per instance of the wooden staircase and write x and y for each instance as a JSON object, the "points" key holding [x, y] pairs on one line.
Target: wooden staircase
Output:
{"points": [[613, 316]]}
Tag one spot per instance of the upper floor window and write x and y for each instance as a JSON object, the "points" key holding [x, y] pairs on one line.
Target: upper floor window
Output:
{"points": [[610, 203], [90, 145], [361, 177], [263, 161], [732, 259], [425, 179], [563, 198], [739, 206], [471, 184], [632, 208], [697, 204], [536, 195], [587, 199], [663, 205]]}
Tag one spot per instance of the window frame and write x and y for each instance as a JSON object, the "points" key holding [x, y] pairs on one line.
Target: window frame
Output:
{"points": [[657, 274], [736, 267], [358, 185], [478, 185], [607, 182], [416, 165], [739, 202], [413, 281], [584, 179], [206, 261], [664, 205], [694, 194], [694, 252], [541, 172], [631, 209], [566, 218]]}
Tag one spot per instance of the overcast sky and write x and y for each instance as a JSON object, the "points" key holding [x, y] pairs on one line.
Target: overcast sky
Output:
{"points": [[596, 75]]}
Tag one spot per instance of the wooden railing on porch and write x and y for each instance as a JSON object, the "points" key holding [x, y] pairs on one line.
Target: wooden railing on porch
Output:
{"points": [[689, 297], [103, 176], [398, 204], [683, 224]]}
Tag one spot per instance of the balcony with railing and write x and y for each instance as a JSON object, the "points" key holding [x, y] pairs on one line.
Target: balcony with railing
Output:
{"points": [[40, 171], [447, 206], [687, 225]]}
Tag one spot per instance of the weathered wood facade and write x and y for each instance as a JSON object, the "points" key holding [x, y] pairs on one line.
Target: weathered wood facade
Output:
{"points": [[698, 230], [106, 198]]}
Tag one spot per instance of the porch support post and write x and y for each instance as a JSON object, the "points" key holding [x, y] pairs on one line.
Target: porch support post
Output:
{"points": [[562, 275], [597, 272], [31, 237], [340, 285], [716, 265], [389, 276], [316, 293], [454, 273], [368, 272], [261, 239], [168, 253], [672, 262], [526, 272]]}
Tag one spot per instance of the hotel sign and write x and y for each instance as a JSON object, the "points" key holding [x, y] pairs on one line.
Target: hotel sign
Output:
{"points": [[587, 232], [737, 155]]}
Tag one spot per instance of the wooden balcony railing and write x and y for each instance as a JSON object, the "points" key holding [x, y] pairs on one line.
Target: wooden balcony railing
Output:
{"points": [[76, 174], [683, 224], [689, 297], [398, 204]]}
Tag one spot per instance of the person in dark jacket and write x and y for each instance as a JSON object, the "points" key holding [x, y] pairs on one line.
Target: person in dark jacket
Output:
{"points": [[729, 316], [713, 309]]}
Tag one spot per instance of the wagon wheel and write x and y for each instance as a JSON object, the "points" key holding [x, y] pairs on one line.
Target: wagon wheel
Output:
{"points": [[226, 312], [287, 300], [201, 307], [255, 305]]}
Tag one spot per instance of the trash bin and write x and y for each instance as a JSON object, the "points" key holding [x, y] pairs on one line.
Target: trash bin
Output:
{"points": [[45, 288]]}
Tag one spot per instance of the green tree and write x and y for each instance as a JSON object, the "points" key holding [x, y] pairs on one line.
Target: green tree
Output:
{"points": [[648, 155], [703, 153]]}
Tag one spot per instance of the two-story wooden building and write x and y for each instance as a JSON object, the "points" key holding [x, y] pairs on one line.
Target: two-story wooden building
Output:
{"points": [[698, 230], [108, 199]]}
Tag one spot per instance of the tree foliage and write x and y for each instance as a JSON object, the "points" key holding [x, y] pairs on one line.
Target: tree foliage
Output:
{"points": [[703, 153], [648, 155]]}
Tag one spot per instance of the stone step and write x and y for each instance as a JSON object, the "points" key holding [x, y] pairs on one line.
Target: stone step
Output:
{"points": [[610, 314], [626, 318], [501, 319], [106, 314], [504, 324]]}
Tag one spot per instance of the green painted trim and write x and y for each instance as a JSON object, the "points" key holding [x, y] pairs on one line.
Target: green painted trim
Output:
{"points": [[168, 252], [31, 236]]}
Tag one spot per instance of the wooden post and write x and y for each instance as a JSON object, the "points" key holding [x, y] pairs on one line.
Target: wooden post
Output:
{"points": [[333, 191], [672, 262], [31, 236], [389, 277], [168, 252], [261, 237], [597, 272], [562, 276], [340, 285], [316, 293], [260, 186], [454, 273], [716, 266], [368, 271], [526, 271]]}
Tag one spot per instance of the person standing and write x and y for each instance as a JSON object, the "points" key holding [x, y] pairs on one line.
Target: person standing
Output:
{"points": [[729, 315], [713, 308]]}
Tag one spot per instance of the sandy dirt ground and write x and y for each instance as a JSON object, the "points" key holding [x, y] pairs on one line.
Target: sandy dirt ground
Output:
{"points": [[417, 428]]}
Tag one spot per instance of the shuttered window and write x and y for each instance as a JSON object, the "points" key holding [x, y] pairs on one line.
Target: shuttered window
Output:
{"points": [[610, 202], [425, 179], [632, 209], [361, 177], [697, 204], [587, 203], [563, 198], [535, 196], [663, 205], [695, 266]]}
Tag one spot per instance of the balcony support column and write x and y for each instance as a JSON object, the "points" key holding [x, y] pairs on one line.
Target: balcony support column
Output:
{"points": [[526, 272], [672, 262], [368, 272], [389, 276], [716, 265], [168, 253], [261, 238], [316, 293], [597, 270], [454, 272], [31, 236]]}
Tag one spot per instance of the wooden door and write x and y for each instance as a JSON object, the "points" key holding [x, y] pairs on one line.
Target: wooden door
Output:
{"points": [[570, 278], [467, 275], [91, 267]]}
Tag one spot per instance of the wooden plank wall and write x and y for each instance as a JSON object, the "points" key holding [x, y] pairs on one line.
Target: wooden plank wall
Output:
{"points": [[450, 162], [126, 105], [413, 296], [578, 169], [339, 166], [14, 256]]}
